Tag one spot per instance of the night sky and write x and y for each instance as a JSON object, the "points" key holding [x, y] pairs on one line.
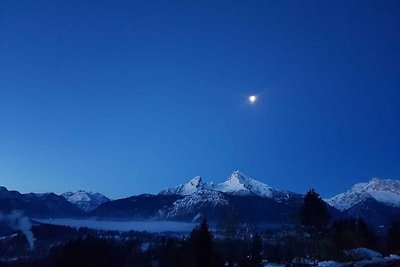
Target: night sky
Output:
{"points": [[128, 97]]}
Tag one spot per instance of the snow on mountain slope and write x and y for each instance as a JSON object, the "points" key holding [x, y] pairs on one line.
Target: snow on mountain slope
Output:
{"points": [[237, 184], [192, 204], [240, 184], [385, 191], [86, 201], [190, 187]]}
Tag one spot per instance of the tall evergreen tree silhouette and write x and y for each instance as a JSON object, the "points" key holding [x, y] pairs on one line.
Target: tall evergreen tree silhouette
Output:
{"points": [[201, 240], [314, 212]]}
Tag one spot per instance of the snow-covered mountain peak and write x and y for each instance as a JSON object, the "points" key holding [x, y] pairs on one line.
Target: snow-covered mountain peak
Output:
{"points": [[377, 184], [386, 191], [241, 184], [195, 182], [240, 177], [76, 196], [237, 183], [86, 201]]}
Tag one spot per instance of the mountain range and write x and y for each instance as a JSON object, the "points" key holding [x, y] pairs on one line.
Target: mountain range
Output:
{"points": [[377, 201], [37, 205], [253, 201], [237, 183]]}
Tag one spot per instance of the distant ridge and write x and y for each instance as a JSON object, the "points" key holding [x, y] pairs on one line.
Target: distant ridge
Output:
{"points": [[386, 191], [86, 201]]}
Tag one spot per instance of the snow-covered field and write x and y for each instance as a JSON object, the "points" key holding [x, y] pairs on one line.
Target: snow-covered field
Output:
{"points": [[149, 226]]}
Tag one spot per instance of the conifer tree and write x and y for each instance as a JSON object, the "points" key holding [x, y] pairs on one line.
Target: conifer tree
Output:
{"points": [[314, 212], [202, 244]]}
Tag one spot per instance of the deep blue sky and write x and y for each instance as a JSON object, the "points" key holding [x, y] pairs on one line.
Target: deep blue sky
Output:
{"points": [[127, 97]]}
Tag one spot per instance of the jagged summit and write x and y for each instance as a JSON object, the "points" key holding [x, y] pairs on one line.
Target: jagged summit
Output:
{"points": [[3, 188], [385, 191], [195, 181], [185, 189]]}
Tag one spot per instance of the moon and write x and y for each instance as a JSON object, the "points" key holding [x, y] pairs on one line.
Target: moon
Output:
{"points": [[252, 98]]}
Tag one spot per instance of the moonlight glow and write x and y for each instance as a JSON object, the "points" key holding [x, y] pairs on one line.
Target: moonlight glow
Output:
{"points": [[252, 98]]}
